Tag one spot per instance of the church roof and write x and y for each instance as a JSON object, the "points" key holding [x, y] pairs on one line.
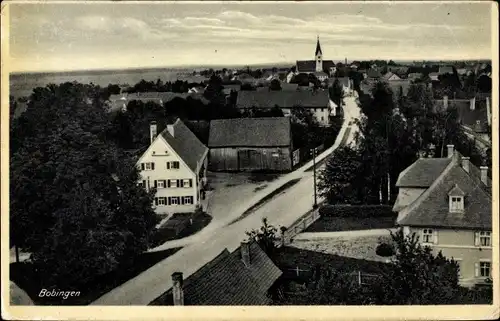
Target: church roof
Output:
{"points": [[318, 48], [309, 66]]}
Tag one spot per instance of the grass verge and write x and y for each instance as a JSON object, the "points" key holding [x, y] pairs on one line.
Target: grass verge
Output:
{"points": [[179, 226], [267, 198], [335, 224], [25, 276]]}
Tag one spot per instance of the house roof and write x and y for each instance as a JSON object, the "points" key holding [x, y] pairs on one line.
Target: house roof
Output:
{"points": [[19, 296], [284, 99], [289, 87], [372, 73], [226, 280], [423, 172], [395, 86], [185, 144], [456, 191], [466, 116], [250, 132], [445, 70], [310, 65], [154, 96], [432, 207]]}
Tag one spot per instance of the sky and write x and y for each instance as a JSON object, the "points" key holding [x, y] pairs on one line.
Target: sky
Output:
{"points": [[79, 36]]}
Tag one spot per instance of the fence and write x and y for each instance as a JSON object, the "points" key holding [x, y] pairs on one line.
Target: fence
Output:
{"points": [[300, 225], [359, 277]]}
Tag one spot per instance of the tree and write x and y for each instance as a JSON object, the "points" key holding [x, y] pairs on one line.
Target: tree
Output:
{"points": [[267, 237], [336, 93], [339, 180], [275, 85], [75, 203], [418, 276]]}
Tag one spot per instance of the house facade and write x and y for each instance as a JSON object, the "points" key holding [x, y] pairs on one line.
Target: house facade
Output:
{"points": [[316, 101], [245, 144], [447, 203], [175, 164]]}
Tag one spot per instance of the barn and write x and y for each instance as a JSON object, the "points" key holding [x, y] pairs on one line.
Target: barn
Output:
{"points": [[250, 144]]}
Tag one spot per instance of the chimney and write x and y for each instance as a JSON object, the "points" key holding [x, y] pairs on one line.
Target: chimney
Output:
{"points": [[484, 174], [488, 110], [152, 131], [473, 103], [170, 129], [450, 150], [245, 252], [177, 291], [445, 102], [466, 164]]}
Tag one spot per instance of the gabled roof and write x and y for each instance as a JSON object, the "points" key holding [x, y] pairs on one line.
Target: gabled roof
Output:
{"points": [[227, 281], [283, 99], [310, 65], [186, 144], [456, 191], [432, 207], [423, 172], [250, 132], [372, 73]]}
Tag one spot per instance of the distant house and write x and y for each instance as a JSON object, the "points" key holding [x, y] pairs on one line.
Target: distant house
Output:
{"points": [[434, 76], [447, 202], [373, 74], [389, 76], [176, 165], [399, 86], [401, 71], [230, 88], [196, 90], [443, 70], [414, 76], [321, 68], [245, 144], [120, 101], [243, 277], [318, 102]]}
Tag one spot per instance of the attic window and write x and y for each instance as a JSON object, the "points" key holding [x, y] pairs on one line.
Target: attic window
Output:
{"points": [[456, 199]]}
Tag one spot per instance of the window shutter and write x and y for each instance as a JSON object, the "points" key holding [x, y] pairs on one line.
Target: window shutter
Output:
{"points": [[142, 166], [476, 238], [168, 165], [179, 183], [156, 200], [421, 236], [152, 166], [190, 182], [156, 184], [182, 200], [168, 185], [476, 266], [435, 236], [165, 183]]}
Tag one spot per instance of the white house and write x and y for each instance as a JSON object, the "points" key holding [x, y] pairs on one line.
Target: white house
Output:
{"points": [[175, 164]]}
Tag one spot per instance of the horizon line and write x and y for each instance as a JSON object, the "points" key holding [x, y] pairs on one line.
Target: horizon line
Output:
{"points": [[207, 66]]}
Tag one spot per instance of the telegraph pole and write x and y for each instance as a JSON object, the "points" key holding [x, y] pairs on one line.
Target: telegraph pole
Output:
{"points": [[314, 177]]}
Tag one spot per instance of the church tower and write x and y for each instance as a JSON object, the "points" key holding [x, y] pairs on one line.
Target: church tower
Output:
{"points": [[319, 57]]}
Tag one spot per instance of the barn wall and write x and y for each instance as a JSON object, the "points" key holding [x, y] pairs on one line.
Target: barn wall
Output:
{"points": [[250, 159]]}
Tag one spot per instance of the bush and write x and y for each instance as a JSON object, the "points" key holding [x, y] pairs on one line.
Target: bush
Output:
{"points": [[360, 211], [384, 250]]}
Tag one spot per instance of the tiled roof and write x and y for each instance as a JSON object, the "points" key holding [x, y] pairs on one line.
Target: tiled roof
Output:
{"points": [[159, 97], [432, 207], [310, 65], [372, 73], [284, 99], [289, 87], [226, 280], [423, 172], [185, 144], [250, 132], [395, 86], [445, 70], [469, 117]]}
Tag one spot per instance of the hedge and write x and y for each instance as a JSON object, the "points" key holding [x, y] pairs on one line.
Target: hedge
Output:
{"points": [[357, 211]]}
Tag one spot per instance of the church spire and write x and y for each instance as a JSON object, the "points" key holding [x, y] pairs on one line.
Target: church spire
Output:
{"points": [[318, 48]]}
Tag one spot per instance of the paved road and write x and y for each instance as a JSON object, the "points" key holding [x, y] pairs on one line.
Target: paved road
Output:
{"points": [[202, 247]]}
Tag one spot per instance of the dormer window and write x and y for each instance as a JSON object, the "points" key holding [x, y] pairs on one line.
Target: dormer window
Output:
{"points": [[456, 200]]}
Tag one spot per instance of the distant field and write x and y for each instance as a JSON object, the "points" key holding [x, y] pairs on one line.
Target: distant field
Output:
{"points": [[23, 84]]}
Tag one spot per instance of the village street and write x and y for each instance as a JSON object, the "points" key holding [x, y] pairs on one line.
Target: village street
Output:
{"points": [[202, 247]]}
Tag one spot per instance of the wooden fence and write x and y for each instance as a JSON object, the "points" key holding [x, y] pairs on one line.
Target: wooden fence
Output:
{"points": [[300, 225], [360, 277]]}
